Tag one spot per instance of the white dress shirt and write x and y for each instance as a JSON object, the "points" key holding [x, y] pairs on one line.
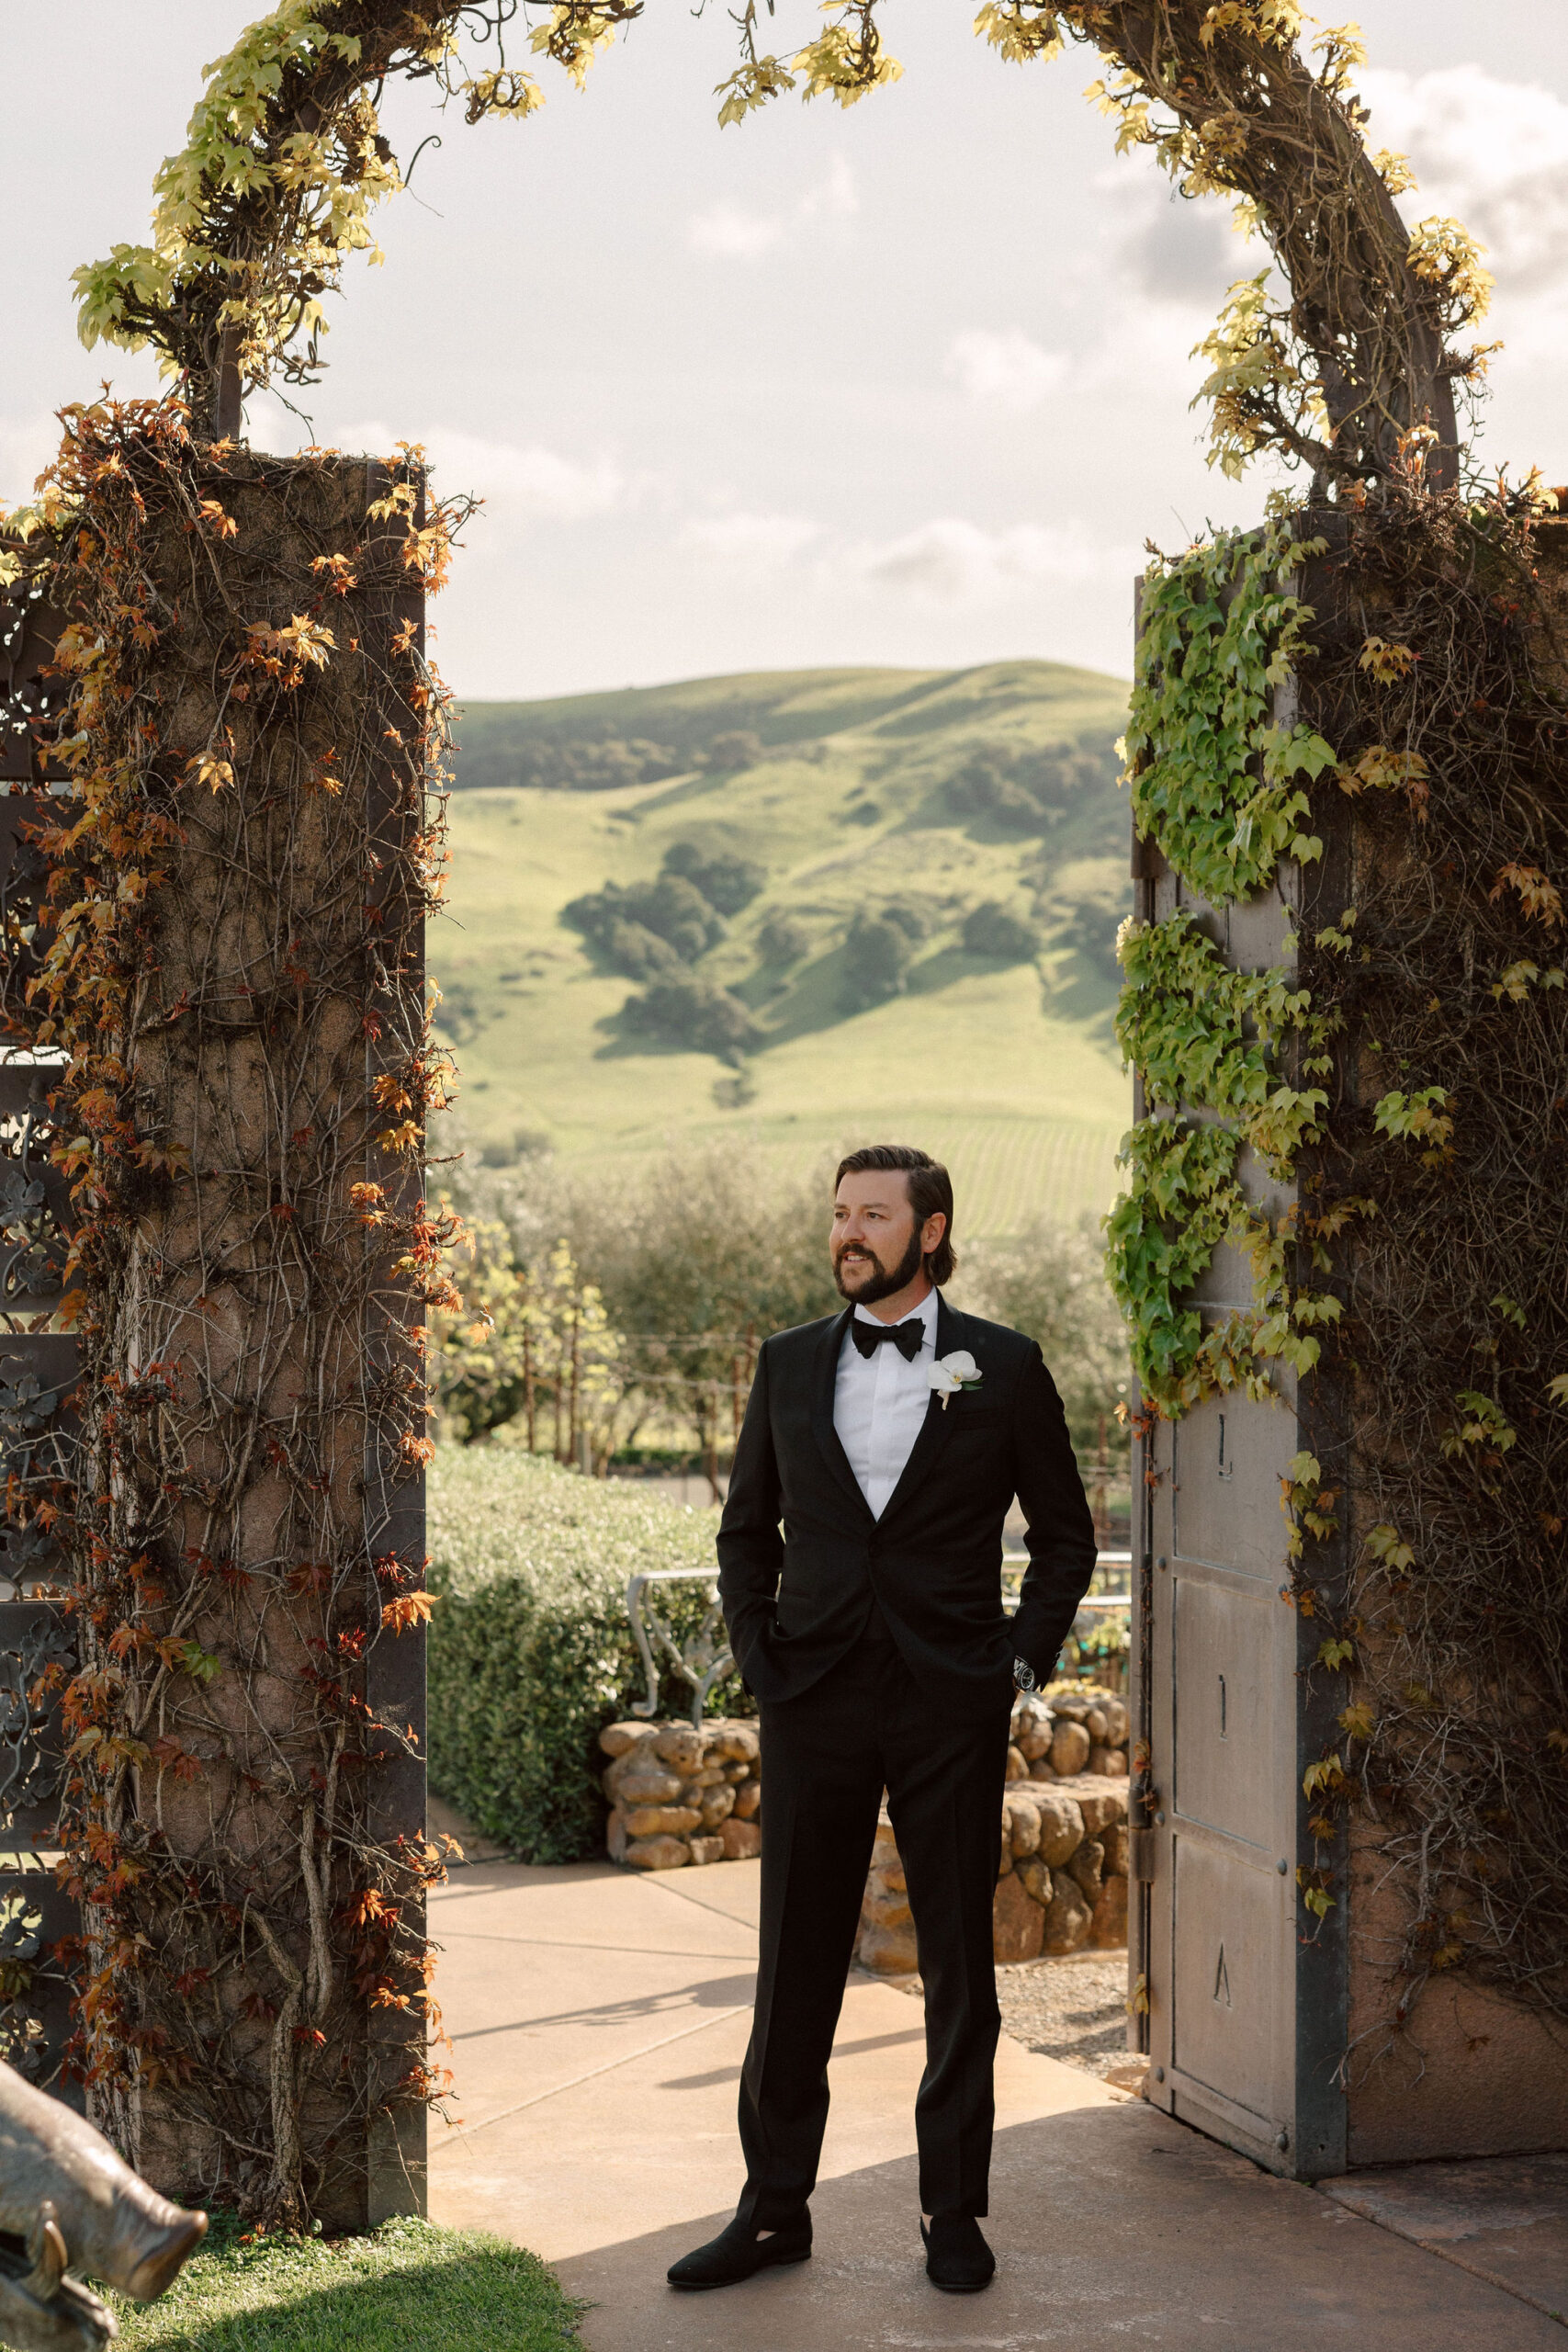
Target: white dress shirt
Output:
{"points": [[880, 1403]]}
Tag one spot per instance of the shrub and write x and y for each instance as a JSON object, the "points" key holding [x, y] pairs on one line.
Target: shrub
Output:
{"points": [[1030, 791], [740, 747], [530, 1650], [567, 764], [783, 939], [877, 954], [621, 920], [727, 882], [632, 949], [993, 930], [693, 1013]]}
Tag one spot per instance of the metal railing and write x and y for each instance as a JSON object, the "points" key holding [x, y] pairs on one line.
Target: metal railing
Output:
{"points": [[704, 1657]]}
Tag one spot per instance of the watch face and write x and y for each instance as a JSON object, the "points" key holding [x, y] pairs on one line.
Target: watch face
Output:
{"points": [[1023, 1674]]}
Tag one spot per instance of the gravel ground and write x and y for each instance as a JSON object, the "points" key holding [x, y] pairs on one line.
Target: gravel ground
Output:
{"points": [[1071, 2010]]}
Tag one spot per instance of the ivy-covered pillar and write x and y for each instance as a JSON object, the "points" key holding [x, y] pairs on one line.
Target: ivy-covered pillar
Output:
{"points": [[1343, 1253], [233, 962]]}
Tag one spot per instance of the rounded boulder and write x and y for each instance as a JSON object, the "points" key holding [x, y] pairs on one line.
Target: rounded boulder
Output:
{"points": [[657, 1853], [662, 1820], [1069, 1916], [1061, 1825], [1018, 1924]]}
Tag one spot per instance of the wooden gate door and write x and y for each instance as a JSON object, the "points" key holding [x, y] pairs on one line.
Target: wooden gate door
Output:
{"points": [[1245, 2025]]}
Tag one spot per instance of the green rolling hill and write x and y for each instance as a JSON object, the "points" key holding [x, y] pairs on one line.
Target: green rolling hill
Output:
{"points": [[920, 874]]}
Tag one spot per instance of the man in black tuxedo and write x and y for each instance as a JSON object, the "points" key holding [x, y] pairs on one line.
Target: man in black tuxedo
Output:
{"points": [[890, 1441]]}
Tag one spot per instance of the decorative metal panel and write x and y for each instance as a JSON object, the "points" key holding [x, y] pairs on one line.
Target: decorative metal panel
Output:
{"points": [[1227, 1458], [1227, 1979], [1222, 1654]]}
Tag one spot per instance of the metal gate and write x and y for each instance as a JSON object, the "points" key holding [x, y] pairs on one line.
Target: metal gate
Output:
{"points": [[39, 1367], [1245, 2026]]}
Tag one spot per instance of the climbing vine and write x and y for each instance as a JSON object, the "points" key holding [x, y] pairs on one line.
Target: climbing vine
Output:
{"points": [[1216, 785], [1216, 776], [222, 932], [1403, 1073]]}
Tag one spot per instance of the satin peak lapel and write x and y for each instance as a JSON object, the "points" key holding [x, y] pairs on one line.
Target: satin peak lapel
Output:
{"points": [[934, 1429], [828, 1443]]}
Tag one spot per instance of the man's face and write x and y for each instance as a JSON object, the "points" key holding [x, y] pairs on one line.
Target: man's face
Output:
{"points": [[876, 1243]]}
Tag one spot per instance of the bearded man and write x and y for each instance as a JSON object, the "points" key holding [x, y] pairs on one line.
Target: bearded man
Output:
{"points": [[890, 1441]]}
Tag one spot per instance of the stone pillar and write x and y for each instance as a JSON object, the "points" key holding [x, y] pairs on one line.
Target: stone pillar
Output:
{"points": [[249, 1536]]}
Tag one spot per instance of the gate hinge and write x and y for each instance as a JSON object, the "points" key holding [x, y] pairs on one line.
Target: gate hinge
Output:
{"points": [[1141, 1855]]}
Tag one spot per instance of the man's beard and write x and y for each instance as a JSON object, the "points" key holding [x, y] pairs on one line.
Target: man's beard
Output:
{"points": [[885, 1281]]}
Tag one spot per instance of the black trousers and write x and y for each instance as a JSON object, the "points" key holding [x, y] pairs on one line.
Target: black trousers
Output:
{"points": [[828, 1756]]}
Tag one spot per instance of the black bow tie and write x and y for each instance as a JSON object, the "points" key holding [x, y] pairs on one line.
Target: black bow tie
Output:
{"points": [[907, 1338]]}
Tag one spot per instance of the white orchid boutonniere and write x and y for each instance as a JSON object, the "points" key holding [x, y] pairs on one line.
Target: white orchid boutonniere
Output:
{"points": [[952, 1373]]}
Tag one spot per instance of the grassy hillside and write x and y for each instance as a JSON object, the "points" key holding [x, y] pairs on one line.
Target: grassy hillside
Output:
{"points": [[864, 790]]}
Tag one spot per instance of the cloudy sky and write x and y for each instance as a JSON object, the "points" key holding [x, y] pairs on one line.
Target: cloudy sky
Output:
{"points": [[908, 384]]}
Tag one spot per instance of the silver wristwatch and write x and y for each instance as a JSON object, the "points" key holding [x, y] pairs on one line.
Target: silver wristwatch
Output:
{"points": [[1023, 1674]]}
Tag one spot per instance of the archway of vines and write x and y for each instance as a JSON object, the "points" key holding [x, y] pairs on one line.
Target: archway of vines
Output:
{"points": [[1404, 1072]]}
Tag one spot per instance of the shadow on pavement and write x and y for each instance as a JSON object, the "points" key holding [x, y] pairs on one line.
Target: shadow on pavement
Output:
{"points": [[1112, 2225]]}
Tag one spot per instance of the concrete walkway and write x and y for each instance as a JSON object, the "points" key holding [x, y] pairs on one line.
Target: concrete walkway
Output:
{"points": [[598, 2020]]}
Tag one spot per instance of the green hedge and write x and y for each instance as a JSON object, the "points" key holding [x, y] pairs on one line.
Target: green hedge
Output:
{"points": [[530, 1651]]}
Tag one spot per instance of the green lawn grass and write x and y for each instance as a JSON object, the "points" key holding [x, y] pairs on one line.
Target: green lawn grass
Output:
{"points": [[407, 2287], [1010, 1071]]}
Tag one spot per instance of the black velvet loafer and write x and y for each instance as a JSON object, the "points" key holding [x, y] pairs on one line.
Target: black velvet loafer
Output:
{"points": [[738, 2252], [958, 2260]]}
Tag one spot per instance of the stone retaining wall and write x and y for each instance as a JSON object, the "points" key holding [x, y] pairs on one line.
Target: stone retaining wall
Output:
{"points": [[680, 1795], [1062, 1881]]}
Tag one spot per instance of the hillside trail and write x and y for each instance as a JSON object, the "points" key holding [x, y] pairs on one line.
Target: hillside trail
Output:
{"points": [[598, 2020]]}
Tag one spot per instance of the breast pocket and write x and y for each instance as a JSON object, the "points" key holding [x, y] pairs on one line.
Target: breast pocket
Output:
{"points": [[977, 1420]]}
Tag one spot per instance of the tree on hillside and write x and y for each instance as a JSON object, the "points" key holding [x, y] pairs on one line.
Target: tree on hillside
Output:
{"points": [[991, 928], [1031, 791], [878, 956], [727, 882], [783, 939], [622, 917], [878, 951], [696, 1257], [1049, 1280], [738, 748], [685, 1010]]}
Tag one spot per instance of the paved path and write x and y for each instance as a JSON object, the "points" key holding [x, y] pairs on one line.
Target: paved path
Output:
{"points": [[599, 2019]]}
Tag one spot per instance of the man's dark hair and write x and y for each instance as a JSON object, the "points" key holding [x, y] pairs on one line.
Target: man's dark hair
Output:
{"points": [[930, 1193]]}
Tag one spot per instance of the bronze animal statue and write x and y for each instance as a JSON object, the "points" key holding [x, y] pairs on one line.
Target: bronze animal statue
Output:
{"points": [[66, 2199]]}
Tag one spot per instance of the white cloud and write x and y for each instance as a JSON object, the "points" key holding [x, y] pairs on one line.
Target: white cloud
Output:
{"points": [[524, 479], [1493, 153], [530, 480], [753, 543], [1007, 371], [727, 230], [836, 198], [949, 560]]}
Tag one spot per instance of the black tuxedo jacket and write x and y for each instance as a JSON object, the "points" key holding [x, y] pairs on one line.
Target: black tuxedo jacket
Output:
{"points": [[795, 1602]]}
